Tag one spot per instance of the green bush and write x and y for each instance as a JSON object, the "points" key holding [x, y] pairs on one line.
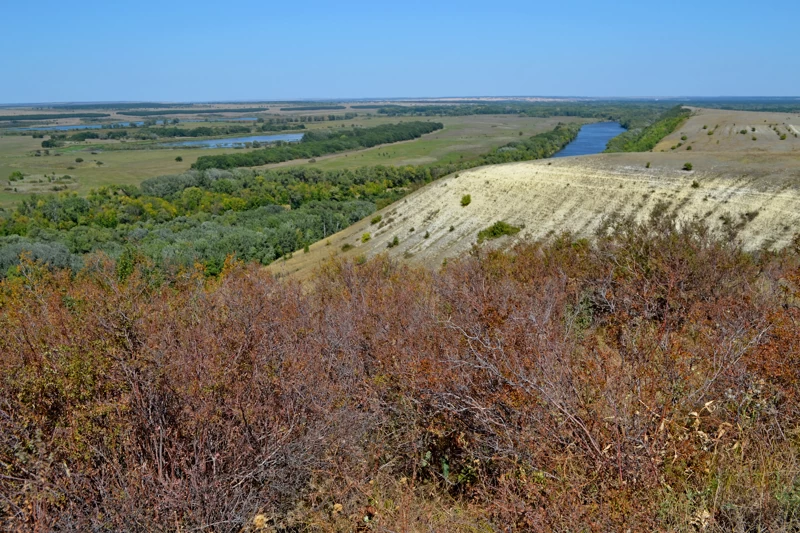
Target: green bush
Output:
{"points": [[687, 166], [346, 247], [647, 165], [497, 230], [394, 242], [366, 237], [79, 160], [179, 159], [16, 176], [376, 219], [466, 200]]}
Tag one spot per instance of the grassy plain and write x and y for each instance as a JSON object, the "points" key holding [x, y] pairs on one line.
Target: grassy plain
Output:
{"points": [[463, 137]]}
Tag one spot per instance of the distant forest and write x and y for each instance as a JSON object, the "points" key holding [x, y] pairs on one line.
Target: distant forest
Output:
{"points": [[52, 116], [192, 111]]}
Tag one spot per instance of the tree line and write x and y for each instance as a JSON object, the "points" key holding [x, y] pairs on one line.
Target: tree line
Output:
{"points": [[318, 143], [645, 139], [51, 116]]}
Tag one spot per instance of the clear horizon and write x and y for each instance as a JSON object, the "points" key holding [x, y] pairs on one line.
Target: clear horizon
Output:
{"points": [[197, 52]]}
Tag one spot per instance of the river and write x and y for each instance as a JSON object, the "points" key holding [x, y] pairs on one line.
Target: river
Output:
{"points": [[592, 139]]}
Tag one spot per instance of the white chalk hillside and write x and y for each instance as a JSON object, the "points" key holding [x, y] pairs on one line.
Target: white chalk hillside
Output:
{"points": [[572, 194]]}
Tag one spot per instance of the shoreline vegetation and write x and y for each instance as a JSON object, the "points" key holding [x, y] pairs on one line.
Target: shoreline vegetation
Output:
{"points": [[645, 139]]}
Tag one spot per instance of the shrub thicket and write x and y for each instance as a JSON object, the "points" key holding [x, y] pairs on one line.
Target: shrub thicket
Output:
{"points": [[653, 373]]}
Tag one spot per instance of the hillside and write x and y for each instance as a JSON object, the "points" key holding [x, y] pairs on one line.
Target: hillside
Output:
{"points": [[719, 130], [575, 194]]}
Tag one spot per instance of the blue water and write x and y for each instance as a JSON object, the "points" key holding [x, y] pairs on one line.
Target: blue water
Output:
{"points": [[230, 142], [592, 139]]}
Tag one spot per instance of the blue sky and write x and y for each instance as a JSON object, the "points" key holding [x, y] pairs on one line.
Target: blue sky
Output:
{"points": [[243, 50]]}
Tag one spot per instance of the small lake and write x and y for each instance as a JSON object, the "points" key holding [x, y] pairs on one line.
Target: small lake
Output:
{"points": [[592, 139], [233, 141]]}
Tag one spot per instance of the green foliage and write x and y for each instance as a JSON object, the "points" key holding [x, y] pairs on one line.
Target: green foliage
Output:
{"points": [[497, 230], [687, 166], [647, 165], [642, 140], [695, 183], [466, 200], [16, 176], [347, 246], [394, 242], [376, 219], [53, 142], [365, 237], [179, 159]]}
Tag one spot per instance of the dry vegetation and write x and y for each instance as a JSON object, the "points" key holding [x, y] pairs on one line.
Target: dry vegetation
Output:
{"points": [[646, 382], [752, 196]]}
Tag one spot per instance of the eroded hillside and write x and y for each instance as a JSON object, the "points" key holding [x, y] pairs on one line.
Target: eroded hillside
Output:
{"points": [[755, 194]]}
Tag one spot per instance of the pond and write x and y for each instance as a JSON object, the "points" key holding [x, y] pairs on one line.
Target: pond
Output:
{"points": [[592, 139], [233, 141]]}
